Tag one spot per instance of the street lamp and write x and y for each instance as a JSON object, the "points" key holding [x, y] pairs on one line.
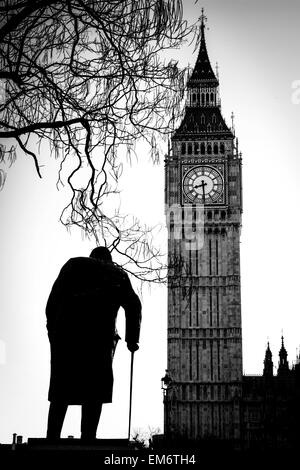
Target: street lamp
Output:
{"points": [[166, 382]]}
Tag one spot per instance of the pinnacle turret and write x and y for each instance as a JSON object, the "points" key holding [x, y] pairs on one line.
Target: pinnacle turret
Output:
{"points": [[283, 365], [268, 363]]}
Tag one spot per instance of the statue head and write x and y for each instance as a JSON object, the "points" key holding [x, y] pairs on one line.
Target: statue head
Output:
{"points": [[102, 253]]}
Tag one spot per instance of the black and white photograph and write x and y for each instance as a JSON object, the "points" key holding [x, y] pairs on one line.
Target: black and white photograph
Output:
{"points": [[149, 211]]}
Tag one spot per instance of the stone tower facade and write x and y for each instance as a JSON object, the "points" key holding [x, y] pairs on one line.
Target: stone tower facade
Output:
{"points": [[204, 206]]}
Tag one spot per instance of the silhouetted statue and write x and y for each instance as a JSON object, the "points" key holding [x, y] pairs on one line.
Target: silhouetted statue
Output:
{"points": [[81, 313]]}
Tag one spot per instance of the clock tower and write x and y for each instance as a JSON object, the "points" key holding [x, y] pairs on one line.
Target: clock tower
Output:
{"points": [[203, 384]]}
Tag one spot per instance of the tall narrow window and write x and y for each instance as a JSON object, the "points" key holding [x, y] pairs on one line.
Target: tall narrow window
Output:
{"points": [[217, 308], [219, 366], [190, 148], [212, 98], [210, 309], [211, 360], [209, 148], [191, 363], [207, 99], [190, 307], [197, 308], [196, 148], [217, 257], [202, 99], [183, 148], [182, 224], [210, 256], [197, 263], [222, 148], [194, 218], [202, 149], [216, 149], [197, 360], [202, 119]]}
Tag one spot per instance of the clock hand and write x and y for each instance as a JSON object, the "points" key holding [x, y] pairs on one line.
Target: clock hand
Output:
{"points": [[202, 185]]}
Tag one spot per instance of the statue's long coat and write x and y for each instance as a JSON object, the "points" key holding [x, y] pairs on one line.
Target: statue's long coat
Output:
{"points": [[81, 313]]}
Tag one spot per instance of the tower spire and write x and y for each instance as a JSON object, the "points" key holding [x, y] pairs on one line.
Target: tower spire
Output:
{"points": [[203, 74], [203, 105], [283, 366], [268, 363], [203, 19]]}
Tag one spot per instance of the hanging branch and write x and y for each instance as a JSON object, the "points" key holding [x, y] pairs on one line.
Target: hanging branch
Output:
{"points": [[89, 77]]}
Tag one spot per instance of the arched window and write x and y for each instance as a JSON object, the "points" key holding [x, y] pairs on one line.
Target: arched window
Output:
{"points": [[208, 128], [183, 148], [209, 149], [190, 148], [202, 149], [212, 98], [194, 97], [202, 119], [222, 148], [216, 149], [223, 215], [202, 99], [207, 98], [209, 215], [196, 148], [214, 119]]}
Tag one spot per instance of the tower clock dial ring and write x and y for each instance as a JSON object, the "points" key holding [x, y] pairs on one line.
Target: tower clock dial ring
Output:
{"points": [[203, 184]]}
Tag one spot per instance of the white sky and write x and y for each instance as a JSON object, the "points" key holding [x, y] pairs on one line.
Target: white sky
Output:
{"points": [[256, 44]]}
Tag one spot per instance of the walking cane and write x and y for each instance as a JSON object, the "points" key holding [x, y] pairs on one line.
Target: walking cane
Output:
{"points": [[130, 394]]}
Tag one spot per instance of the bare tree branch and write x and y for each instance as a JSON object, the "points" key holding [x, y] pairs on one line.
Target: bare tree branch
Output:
{"points": [[89, 78]]}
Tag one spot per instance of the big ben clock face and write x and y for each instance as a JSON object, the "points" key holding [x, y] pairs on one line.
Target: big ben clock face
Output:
{"points": [[204, 185]]}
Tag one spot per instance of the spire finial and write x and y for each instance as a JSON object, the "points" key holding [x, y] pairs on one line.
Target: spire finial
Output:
{"points": [[268, 363], [203, 19]]}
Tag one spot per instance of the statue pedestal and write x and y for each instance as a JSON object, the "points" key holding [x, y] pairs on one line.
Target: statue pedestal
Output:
{"points": [[72, 444]]}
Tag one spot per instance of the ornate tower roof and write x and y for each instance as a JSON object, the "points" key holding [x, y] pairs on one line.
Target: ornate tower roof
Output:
{"points": [[268, 363], [283, 365], [203, 73], [203, 118]]}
